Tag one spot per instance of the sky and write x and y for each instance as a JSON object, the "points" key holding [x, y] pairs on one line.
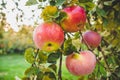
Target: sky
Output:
{"points": [[12, 12]]}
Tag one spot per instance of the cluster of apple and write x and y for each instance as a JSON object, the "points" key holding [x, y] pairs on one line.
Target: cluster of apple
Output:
{"points": [[49, 36]]}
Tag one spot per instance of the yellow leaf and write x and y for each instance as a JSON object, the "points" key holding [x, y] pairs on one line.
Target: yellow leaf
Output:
{"points": [[46, 78], [115, 42], [49, 12], [76, 43]]}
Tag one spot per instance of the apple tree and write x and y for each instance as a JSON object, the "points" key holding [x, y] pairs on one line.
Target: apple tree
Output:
{"points": [[84, 32]]}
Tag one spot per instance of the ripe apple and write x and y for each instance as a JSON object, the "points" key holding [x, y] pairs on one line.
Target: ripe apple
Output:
{"points": [[81, 64], [92, 38], [48, 36], [75, 20]]}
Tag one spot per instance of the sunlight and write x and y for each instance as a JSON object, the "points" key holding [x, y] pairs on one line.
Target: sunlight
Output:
{"points": [[20, 14]]}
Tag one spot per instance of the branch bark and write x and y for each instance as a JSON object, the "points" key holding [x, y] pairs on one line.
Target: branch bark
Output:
{"points": [[34, 64], [60, 68], [106, 63]]}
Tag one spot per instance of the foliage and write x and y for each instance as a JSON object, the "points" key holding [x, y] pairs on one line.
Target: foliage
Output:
{"points": [[49, 12], [16, 42], [14, 65], [102, 17]]}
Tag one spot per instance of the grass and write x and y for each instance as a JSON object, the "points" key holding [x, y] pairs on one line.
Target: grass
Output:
{"points": [[14, 65]]}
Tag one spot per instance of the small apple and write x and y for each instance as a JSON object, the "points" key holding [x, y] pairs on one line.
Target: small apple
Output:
{"points": [[92, 38], [75, 20], [48, 36], [81, 64]]}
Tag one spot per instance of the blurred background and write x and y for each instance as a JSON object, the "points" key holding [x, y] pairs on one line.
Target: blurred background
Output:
{"points": [[16, 25], [17, 22]]}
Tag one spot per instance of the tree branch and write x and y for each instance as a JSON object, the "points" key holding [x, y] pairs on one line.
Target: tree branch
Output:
{"points": [[107, 65], [99, 48], [60, 68], [34, 64], [89, 22]]}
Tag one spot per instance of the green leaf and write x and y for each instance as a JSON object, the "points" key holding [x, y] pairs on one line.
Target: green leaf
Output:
{"points": [[59, 2], [103, 71], [117, 17], [25, 78], [31, 2], [83, 1], [40, 76], [42, 0], [31, 71], [105, 22], [117, 71], [99, 71], [76, 43], [100, 12], [29, 55], [77, 35], [108, 3], [51, 75], [46, 78], [42, 57], [117, 7], [89, 5], [68, 47], [83, 46], [53, 67], [49, 13], [61, 17], [52, 58], [52, 2]]}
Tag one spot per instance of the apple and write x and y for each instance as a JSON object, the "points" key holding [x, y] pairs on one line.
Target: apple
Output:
{"points": [[82, 63], [92, 38], [48, 36], [75, 20]]}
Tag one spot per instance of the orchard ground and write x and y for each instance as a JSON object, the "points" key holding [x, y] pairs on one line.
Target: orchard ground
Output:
{"points": [[14, 65]]}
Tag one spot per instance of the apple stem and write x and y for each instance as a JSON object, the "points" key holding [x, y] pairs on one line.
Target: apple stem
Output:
{"points": [[60, 68]]}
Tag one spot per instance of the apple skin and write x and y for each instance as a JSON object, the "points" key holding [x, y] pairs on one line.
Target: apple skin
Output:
{"points": [[48, 36], [75, 20], [92, 38], [81, 64]]}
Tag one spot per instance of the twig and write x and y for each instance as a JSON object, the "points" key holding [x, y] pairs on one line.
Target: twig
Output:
{"points": [[60, 68], [107, 65], [89, 22], [100, 63], [34, 65], [35, 57], [99, 48]]}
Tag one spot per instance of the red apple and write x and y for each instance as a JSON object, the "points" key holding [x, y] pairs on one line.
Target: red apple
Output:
{"points": [[48, 36], [81, 64], [92, 38], [75, 20]]}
